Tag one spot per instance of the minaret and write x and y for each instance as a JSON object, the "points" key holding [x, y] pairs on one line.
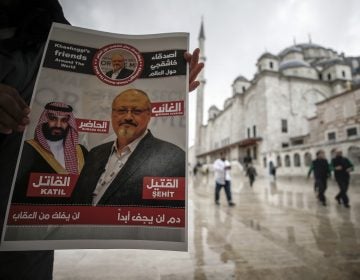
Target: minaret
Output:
{"points": [[200, 92]]}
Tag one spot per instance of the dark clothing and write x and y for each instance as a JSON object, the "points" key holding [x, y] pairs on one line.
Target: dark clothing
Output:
{"points": [[343, 184], [27, 265], [32, 161], [251, 173], [342, 177], [124, 73], [20, 58], [320, 167], [227, 188], [322, 171], [321, 185], [152, 157], [345, 164]]}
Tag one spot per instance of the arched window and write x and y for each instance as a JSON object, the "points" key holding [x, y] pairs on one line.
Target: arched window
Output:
{"points": [[297, 162], [287, 161], [307, 159], [278, 161], [271, 65], [265, 162]]}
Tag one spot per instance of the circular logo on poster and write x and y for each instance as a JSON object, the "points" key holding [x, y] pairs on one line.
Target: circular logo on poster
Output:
{"points": [[118, 64]]}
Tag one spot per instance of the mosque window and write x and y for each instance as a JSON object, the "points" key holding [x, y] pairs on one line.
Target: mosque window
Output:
{"points": [[331, 136], [285, 145], [265, 162], [343, 74], [248, 132], [297, 162], [271, 65], [329, 76], [284, 126], [351, 131], [320, 76], [307, 159], [254, 130], [287, 161], [243, 89], [254, 152]]}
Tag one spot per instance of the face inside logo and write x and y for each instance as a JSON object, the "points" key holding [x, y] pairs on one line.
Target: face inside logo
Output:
{"points": [[118, 64]]}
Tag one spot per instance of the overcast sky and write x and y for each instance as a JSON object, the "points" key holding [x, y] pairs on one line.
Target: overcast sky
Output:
{"points": [[237, 31]]}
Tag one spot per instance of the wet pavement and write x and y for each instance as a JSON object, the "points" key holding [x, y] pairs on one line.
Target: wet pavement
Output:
{"points": [[275, 231]]}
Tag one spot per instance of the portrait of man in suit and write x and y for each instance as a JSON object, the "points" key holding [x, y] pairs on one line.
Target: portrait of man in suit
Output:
{"points": [[119, 71], [113, 173]]}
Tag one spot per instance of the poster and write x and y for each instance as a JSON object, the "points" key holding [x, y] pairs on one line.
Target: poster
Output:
{"points": [[103, 161]]}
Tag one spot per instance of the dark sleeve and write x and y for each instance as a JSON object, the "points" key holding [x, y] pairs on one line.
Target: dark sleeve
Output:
{"points": [[311, 169]]}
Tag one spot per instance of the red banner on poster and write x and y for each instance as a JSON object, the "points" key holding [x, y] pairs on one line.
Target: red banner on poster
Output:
{"points": [[51, 185], [95, 215], [163, 109], [164, 188], [94, 126]]}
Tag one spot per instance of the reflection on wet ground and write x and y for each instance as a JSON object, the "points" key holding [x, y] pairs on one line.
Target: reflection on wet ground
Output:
{"points": [[277, 230]]}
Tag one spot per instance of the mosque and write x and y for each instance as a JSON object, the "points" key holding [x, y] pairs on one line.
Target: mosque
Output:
{"points": [[305, 98]]}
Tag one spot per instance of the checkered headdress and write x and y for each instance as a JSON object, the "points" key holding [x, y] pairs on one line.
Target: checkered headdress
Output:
{"points": [[72, 137]]}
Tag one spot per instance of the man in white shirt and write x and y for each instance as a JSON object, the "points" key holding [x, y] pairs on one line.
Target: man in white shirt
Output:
{"points": [[222, 179]]}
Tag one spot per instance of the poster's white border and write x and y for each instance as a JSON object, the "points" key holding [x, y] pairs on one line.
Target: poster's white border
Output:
{"points": [[101, 244]]}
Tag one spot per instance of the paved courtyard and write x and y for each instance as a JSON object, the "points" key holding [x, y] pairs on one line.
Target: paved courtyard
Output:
{"points": [[275, 231]]}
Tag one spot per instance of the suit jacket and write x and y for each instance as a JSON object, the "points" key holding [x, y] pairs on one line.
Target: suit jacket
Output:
{"points": [[152, 157], [124, 73]]}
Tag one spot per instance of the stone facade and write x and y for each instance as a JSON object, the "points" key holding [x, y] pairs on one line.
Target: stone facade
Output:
{"points": [[275, 116]]}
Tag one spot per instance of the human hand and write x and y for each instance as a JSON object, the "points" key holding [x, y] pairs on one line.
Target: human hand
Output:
{"points": [[13, 110], [339, 167], [195, 67]]}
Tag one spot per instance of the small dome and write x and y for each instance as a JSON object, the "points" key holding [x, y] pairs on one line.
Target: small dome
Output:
{"points": [[290, 50], [293, 64], [300, 48], [330, 62], [241, 79], [268, 55], [213, 107]]}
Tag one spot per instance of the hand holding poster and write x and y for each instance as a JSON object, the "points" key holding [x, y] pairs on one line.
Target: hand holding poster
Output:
{"points": [[103, 162]]}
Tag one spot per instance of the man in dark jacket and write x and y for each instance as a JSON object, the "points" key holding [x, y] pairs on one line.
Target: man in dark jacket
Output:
{"points": [[321, 169], [113, 173], [342, 168]]}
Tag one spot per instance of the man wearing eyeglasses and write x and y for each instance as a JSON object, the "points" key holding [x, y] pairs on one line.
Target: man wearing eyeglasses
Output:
{"points": [[113, 173]]}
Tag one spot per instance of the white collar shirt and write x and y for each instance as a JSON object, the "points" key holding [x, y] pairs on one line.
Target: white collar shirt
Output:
{"points": [[115, 163]]}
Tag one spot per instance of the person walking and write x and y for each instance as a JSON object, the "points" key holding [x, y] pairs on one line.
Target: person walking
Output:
{"points": [[251, 173], [272, 170], [342, 167], [222, 179], [322, 172]]}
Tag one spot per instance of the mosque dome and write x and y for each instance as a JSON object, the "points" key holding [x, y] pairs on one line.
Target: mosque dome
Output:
{"points": [[241, 79], [300, 48], [293, 64]]}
